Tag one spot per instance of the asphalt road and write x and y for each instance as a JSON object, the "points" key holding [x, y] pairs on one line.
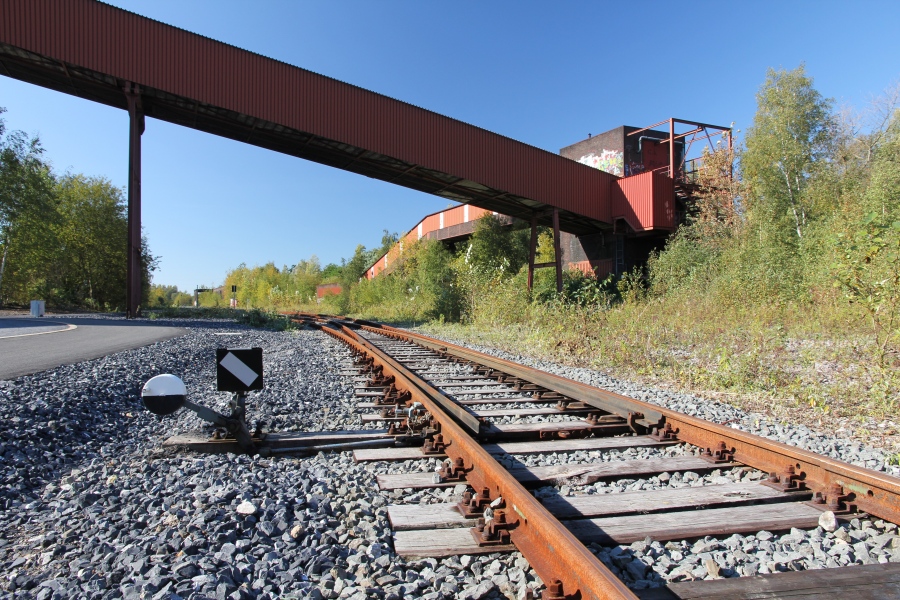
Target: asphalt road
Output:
{"points": [[31, 345]]}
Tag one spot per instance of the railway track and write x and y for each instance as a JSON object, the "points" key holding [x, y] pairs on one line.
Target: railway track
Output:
{"points": [[490, 424]]}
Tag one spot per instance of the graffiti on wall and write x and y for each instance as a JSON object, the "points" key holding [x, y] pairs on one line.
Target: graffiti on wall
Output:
{"points": [[633, 168], [611, 161]]}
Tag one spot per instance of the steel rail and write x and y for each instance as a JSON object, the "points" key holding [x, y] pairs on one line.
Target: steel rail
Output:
{"points": [[550, 548], [839, 483]]}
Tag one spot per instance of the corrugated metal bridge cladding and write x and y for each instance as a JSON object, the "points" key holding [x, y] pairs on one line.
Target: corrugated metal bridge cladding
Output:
{"points": [[93, 50]]}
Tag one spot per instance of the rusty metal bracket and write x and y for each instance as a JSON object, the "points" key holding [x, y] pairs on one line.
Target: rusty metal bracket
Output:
{"points": [[563, 434], [455, 471], [834, 500], [473, 505], [786, 481], [435, 445], [664, 434], [494, 533], [720, 455], [596, 419], [636, 427]]}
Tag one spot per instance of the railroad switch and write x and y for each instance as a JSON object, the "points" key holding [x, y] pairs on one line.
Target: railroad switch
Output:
{"points": [[474, 505], [364, 363], [633, 418], [165, 394], [720, 455], [494, 533]]}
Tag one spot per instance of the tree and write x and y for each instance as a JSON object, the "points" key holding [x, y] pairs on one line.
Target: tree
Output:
{"points": [[331, 271], [26, 208], [354, 268], [90, 266], [495, 250], [791, 138]]}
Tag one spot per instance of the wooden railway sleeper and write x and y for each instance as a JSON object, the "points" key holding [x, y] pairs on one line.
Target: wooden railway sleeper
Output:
{"points": [[524, 386]]}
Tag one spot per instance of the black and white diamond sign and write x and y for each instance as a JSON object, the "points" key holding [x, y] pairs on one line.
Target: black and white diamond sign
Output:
{"points": [[239, 369]]}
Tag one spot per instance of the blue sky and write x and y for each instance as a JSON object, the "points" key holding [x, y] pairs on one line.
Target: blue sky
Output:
{"points": [[543, 73]]}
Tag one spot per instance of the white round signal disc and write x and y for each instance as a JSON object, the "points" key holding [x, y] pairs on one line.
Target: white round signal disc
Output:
{"points": [[164, 394]]}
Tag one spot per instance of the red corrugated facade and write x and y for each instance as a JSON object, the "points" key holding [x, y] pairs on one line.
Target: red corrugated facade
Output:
{"points": [[646, 201], [129, 47], [429, 224]]}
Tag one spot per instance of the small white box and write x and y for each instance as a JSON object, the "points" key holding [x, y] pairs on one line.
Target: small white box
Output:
{"points": [[37, 308]]}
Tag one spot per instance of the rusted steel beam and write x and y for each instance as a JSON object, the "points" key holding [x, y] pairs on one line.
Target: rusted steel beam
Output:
{"points": [[871, 491], [648, 128], [557, 252], [683, 135], [134, 266], [672, 148], [699, 124], [553, 552], [532, 247]]}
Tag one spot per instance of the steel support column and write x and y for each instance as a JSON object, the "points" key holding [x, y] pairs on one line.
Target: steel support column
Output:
{"points": [[135, 267], [532, 252], [672, 148], [556, 250]]}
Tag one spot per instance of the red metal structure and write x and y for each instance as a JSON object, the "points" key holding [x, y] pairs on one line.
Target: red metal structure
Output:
{"points": [[109, 55], [646, 205], [449, 224]]}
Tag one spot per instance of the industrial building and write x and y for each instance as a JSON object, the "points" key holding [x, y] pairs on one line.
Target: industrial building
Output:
{"points": [[648, 199]]}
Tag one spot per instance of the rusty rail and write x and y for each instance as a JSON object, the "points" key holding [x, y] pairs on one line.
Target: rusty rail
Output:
{"points": [[565, 565], [834, 483]]}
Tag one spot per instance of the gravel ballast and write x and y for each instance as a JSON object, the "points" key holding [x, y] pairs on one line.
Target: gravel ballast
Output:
{"points": [[91, 506]]}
